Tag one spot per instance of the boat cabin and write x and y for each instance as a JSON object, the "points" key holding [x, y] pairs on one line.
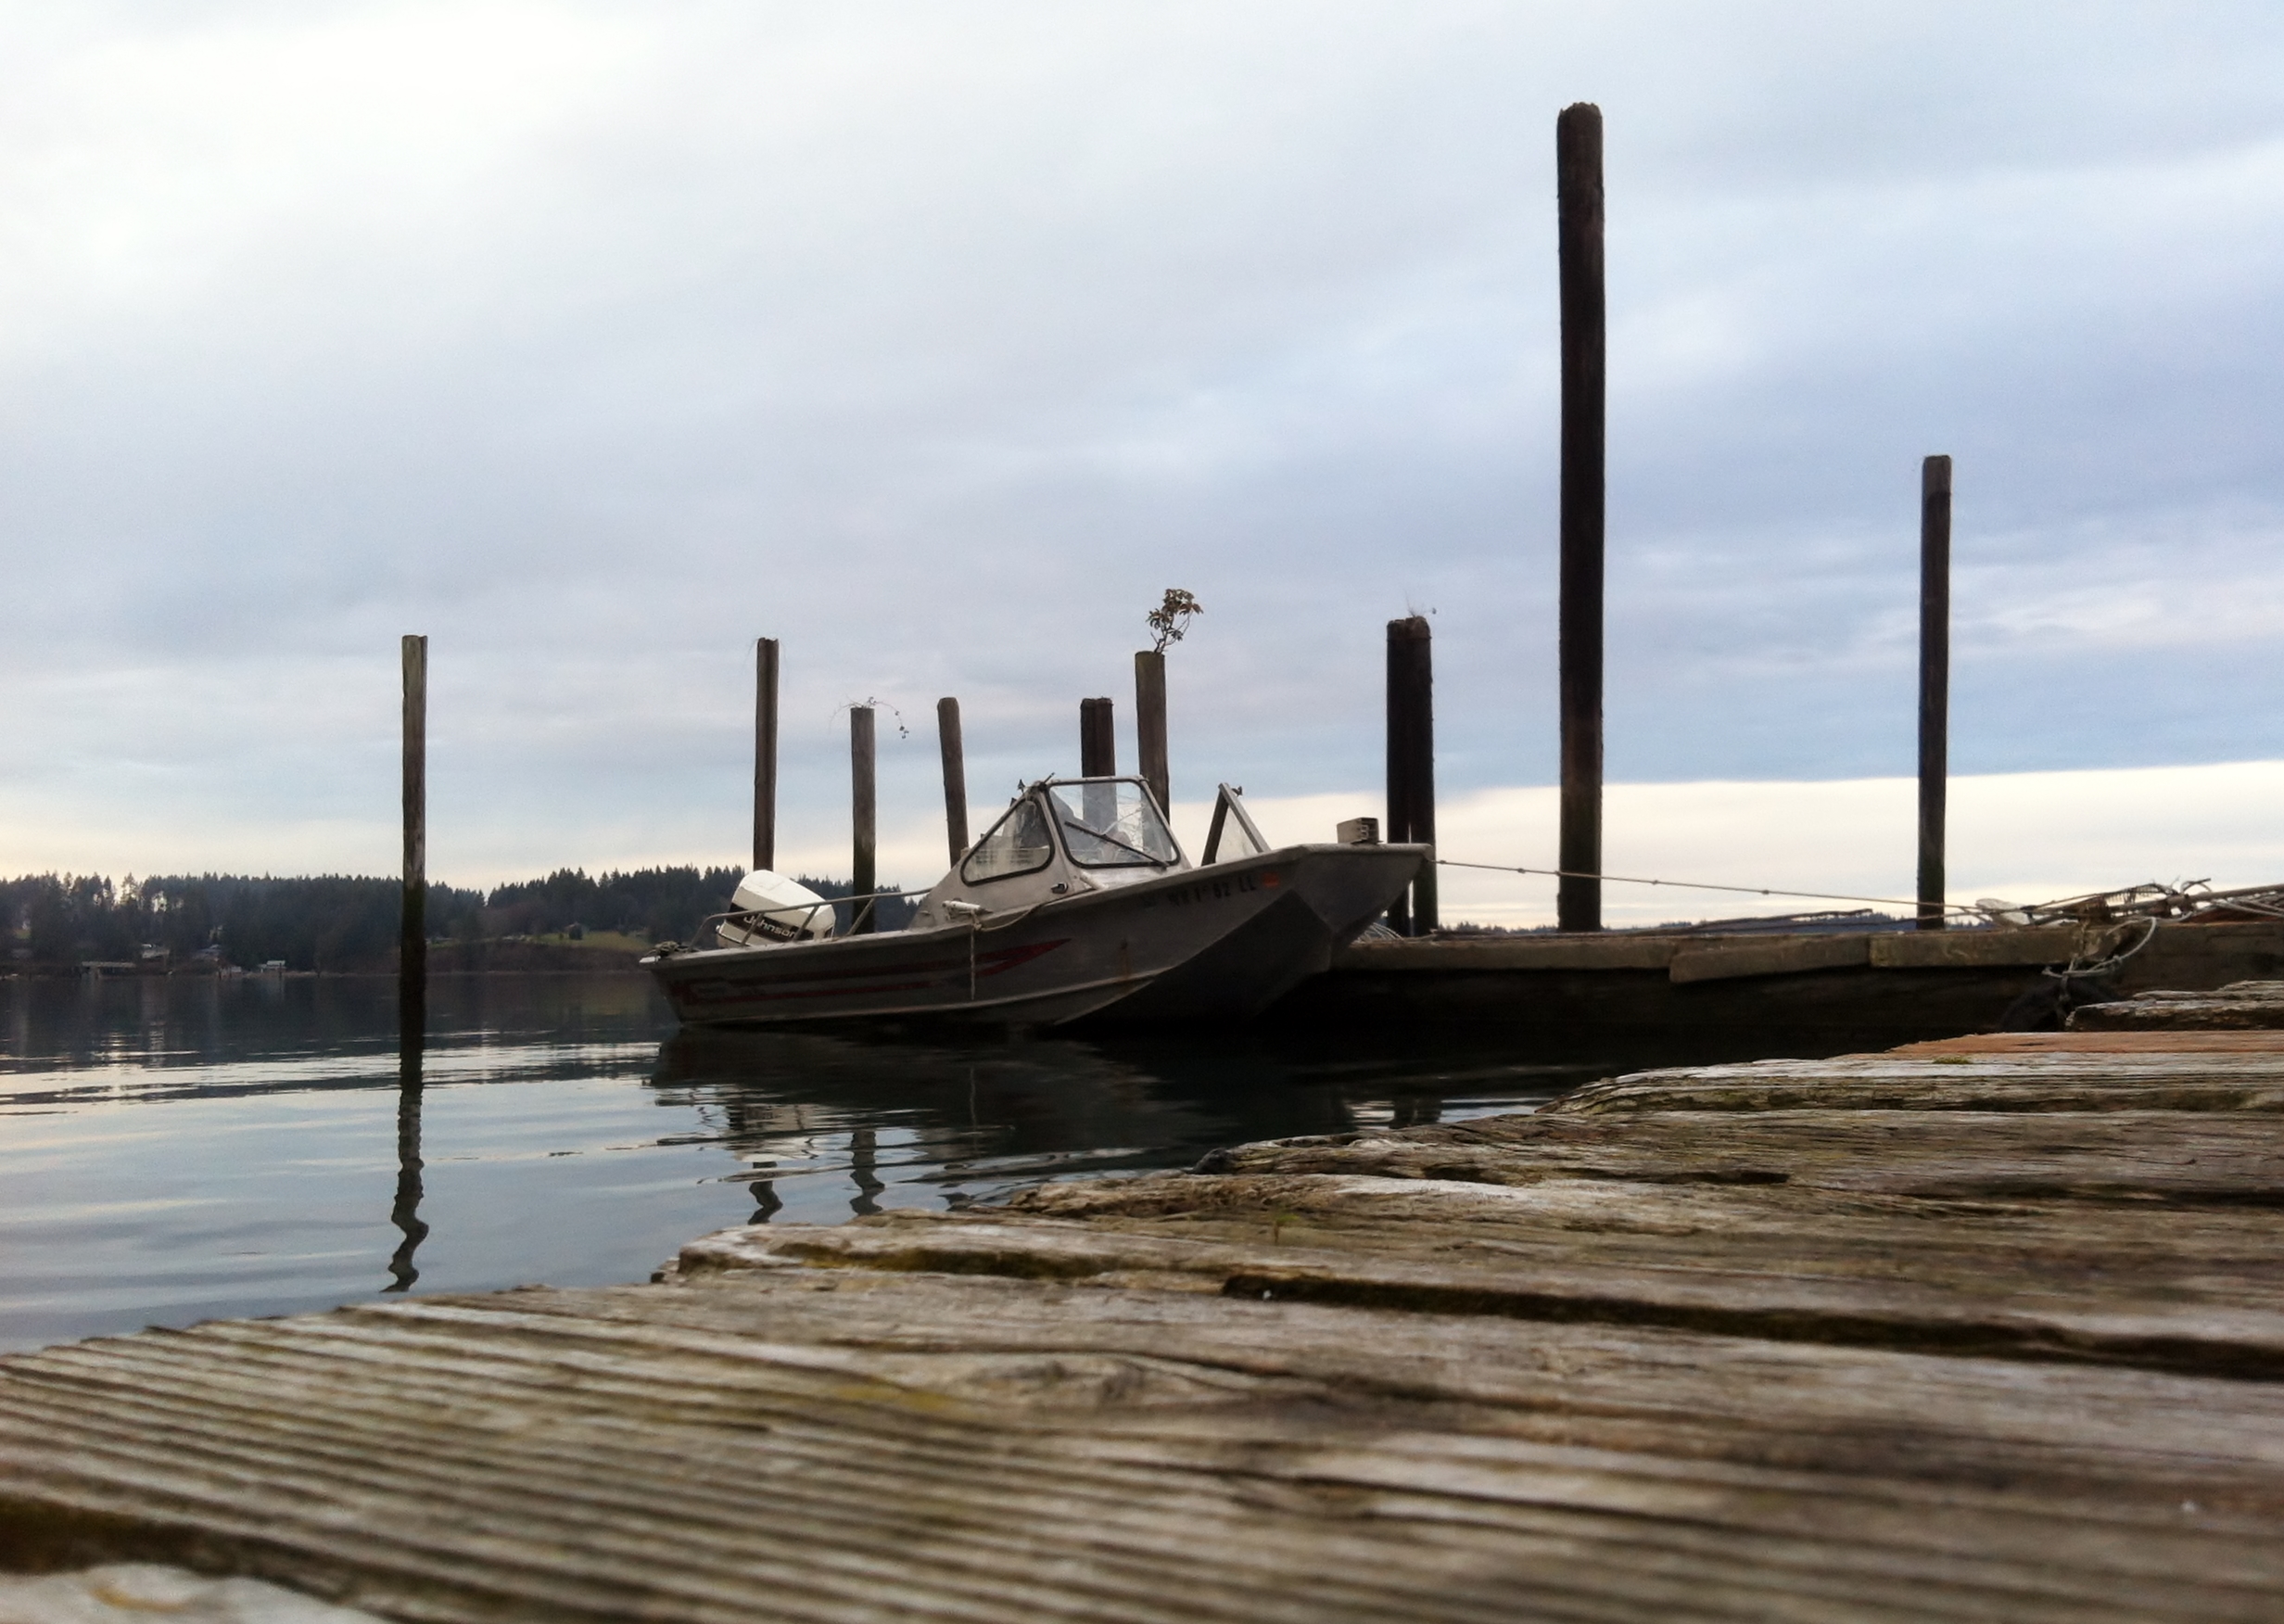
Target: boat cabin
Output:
{"points": [[1059, 837]]}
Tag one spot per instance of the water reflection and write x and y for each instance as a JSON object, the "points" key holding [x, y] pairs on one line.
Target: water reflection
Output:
{"points": [[939, 1120], [173, 1149], [405, 1212]]}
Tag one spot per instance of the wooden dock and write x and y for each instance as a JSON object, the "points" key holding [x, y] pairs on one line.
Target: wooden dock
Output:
{"points": [[1986, 1329], [1826, 991]]}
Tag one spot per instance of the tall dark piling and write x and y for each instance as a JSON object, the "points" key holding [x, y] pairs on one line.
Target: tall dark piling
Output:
{"points": [[413, 929], [1935, 680], [1149, 725], [764, 753], [1578, 184], [954, 777], [1099, 758], [863, 805], [1412, 765]]}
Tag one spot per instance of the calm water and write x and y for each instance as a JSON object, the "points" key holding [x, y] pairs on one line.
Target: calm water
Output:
{"points": [[171, 1151]]}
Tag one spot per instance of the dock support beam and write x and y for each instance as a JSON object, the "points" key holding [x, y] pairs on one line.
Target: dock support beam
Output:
{"points": [[863, 800], [764, 753], [954, 777], [1577, 185], [1412, 766], [1149, 725], [1935, 680], [413, 930]]}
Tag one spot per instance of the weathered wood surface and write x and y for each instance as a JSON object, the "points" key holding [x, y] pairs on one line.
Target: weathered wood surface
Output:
{"points": [[2198, 1080], [2158, 1041], [1661, 1353], [1777, 956], [845, 1443], [2254, 1005]]}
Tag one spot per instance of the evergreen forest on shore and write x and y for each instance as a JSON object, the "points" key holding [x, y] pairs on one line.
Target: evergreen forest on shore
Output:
{"points": [[340, 923]]}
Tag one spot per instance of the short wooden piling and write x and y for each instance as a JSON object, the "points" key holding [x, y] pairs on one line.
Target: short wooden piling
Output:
{"points": [[413, 931], [764, 753], [1578, 171], [1099, 758], [1098, 739], [863, 808], [1935, 680], [1149, 724], [954, 777], [1412, 765]]}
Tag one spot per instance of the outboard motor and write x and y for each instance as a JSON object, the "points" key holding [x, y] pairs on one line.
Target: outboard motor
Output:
{"points": [[773, 908]]}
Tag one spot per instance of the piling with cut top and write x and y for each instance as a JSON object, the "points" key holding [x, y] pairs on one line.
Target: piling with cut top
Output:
{"points": [[1097, 739], [863, 804], [1412, 765], [1935, 680], [1099, 758], [413, 931], [1577, 178], [764, 753], [1149, 725], [954, 777]]}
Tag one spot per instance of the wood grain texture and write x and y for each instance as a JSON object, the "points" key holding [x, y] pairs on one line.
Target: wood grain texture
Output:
{"points": [[2049, 1081], [2100, 1043], [786, 1444]]}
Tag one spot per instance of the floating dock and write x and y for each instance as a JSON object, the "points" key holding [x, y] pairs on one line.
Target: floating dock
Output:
{"points": [[1838, 989], [1989, 1328]]}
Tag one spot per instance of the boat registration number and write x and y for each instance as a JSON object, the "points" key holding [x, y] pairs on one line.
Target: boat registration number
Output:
{"points": [[1216, 890]]}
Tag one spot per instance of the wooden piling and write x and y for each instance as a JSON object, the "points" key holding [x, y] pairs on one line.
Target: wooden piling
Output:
{"points": [[764, 753], [1098, 739], [1578, 170], [863, 806], [413, 933], [1935, 680], [954, 777], [1149, 725], [1412, 765], [1099, 758]]}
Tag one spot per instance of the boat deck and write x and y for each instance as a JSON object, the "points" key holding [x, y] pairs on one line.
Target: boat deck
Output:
{"points": [[1989, 1328]]}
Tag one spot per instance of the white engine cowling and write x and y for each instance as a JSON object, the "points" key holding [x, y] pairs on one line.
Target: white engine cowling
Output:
{"points": [[777, 910]]}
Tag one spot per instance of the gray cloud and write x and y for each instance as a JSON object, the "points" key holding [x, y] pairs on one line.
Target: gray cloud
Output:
{"points": [[937, 340]]}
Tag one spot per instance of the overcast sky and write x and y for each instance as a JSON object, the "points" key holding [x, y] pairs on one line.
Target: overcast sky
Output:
{"points": [[938, 339]]}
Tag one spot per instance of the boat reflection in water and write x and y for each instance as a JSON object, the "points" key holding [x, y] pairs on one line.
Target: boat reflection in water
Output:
{"points": [[915, 1124], [178, 1149]]}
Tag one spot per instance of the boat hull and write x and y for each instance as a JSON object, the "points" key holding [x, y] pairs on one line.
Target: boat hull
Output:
{"points": [[1217, 942]]}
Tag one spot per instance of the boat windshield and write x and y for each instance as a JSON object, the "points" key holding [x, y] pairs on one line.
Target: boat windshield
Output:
{"points": [[1112, 826], [1018, 843]]}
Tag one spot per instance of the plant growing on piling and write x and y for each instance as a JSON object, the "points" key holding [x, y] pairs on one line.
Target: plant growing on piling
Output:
{"points": [[1171, 618]]}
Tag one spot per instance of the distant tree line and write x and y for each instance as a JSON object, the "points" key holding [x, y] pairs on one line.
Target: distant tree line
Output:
{"points": [[342, 922]]}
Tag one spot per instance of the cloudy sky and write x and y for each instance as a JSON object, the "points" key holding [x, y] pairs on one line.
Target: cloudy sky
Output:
{"points": [[937, 339]]}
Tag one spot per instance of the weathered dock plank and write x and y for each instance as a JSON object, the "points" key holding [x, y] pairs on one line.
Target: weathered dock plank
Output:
{"points": [[798, 1445], [2254, 1006], [2049, 1081]]}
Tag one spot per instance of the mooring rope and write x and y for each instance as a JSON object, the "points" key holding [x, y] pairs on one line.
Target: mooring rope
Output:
{"points": [[1700, 886]]}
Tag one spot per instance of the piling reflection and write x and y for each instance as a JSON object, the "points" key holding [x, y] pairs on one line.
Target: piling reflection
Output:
{"points": [[941, 1122], [405, 1212]]}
